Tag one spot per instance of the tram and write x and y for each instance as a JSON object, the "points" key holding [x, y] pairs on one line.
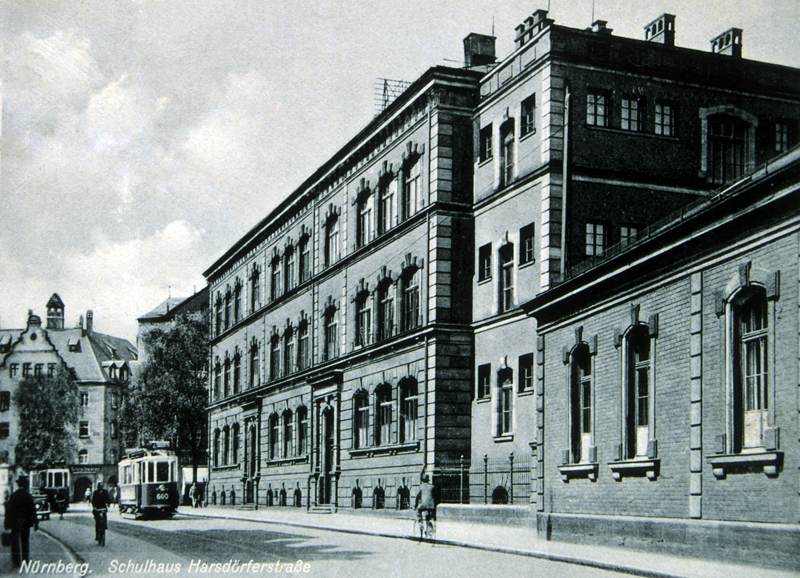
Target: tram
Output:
{"points": [[149, 481], [46, 485]]}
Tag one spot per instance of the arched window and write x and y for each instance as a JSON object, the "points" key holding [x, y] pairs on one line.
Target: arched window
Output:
{"points": [[226, 444], [363, 319], [408, 410], [217, 380], [410, 307], [302, 430], [218, 307], [360, 420], [581, 403], [288, 351], [274, 430], [237, 301], [383, 409], [288, 434], [228, 308], [217, 460], [305, 259], [277, 286], [388, 192], [289, 268], [255, 378], [506, 287], [507, 152], [505, 401], [235, 444], [638, 392], [83, 457], [331, 345], [255, 289], [332, 240], [728, 141], [237, 372], [751, 398], [227, 378]]}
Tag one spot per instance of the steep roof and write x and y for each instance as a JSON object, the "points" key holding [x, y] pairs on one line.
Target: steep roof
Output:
{"points": [[87, 353]]}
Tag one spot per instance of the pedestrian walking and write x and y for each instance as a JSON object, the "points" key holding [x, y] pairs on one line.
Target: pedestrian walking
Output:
{"points": [[87, 495], [20, 515], [193, 493], [61, 501]]}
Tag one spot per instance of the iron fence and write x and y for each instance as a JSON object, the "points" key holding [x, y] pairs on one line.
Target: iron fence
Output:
{"points": [[496, 480]]}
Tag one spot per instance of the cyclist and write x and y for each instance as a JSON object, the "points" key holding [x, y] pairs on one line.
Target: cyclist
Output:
{"points": [[425, 505], [100, 501]]}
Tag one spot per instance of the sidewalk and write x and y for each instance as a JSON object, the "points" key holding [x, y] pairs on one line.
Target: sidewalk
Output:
{"points": [[506, 539]]}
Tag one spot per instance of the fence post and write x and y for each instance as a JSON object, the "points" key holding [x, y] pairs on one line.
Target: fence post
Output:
{"points": [[485, 478], [511, 489], [461, 479]]}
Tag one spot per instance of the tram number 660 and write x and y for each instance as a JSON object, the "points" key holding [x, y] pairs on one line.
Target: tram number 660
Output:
{"points": [[162, 496]]}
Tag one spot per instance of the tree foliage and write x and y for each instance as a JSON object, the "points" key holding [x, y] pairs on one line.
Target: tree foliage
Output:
{"points": [[166, 400], [49, 407]]}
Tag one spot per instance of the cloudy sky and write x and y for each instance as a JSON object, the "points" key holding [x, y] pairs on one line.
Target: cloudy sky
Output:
{"points": [[141, 138]]}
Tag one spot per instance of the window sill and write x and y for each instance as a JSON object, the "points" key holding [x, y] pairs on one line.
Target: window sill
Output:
{"points": [[287, 461], [525, 392], [504, 438], [384, 450], [769, 462], [483, 400], [611, 129], [225, 468], [527, 135], [527, 264], [485, 161], [637, 467], [485, 281], [587, 470]]}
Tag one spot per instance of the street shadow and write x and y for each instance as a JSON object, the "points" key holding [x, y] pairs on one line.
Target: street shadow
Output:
{"points": [[222, 545]]}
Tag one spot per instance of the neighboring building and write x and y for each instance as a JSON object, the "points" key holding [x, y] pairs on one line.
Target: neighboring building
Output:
{"points": [[648, 128], [99, 363], [341, 323], [166, 313], [682, 352]]}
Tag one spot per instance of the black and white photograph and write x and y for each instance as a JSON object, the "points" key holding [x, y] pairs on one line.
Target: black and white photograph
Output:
{"points": [[400, 289]]}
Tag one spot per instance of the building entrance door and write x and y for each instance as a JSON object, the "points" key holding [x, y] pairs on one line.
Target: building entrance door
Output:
{"points": [[326, 456]]}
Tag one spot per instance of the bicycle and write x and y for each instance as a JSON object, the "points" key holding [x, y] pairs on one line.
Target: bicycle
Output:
{"points": [[427, 524], [100, 525]]}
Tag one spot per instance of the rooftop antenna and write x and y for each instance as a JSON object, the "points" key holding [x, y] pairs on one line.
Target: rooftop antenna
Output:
{"points": [[593, 11], [169, 291], [492, 24]]}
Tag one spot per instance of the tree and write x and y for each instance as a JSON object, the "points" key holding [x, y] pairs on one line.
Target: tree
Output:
{"points": [[167, 398], [49, 407]]}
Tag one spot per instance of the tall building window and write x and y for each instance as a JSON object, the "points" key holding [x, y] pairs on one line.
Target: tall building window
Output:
{"points": [[38, 370], [5, 400], [485, 262], [302, 432], [412, 194], [228, 307], [5, 430], [51, 369], [483, 381], [305, 259], [408, 411], [383, 408], [527, 242], [275, 358], [507, 152], [237, 301], [288, 268], [217, 380], [727, 150], [26, 370], [751, 398], [506, 278], [664, 119], [84, 399], [486, 143], [274, 430], [83, 429], [360, 420], [783, 137], [363, 319], [237, 372], [277, 287], [302, 346], [385, 310], [218, 315], [226, 445], [331, 241], [505, 401], [366, 206], [83, 457], [528, 116], [288, 434], [13, 369], [255, 378], [411, 317], [255, 289], [595, 239], [331, 349], [581, 404], [526, 372], [227, 377], [637, 392], [288, 351], [235, 444], [628, 235], [596, 109], [632, 111], [388, 194]]}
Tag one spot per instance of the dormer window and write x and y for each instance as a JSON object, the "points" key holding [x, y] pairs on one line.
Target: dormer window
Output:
{"points": [[74, 344]]}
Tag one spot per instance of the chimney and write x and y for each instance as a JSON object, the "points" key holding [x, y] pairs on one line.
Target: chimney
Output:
{"points": [[89, 321], [599, 27], [661, 30], [33, 320], [479, 50], [531, 26], [80, 323], [728, 43]]}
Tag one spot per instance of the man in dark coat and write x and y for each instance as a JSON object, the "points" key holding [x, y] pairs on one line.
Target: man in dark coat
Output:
{"points": [[20, 516]]}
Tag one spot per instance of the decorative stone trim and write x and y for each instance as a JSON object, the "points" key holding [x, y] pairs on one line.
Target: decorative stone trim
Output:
{"points": [[587, 470], [287, 461], [384, 450], [648, 467], [769, 461]]}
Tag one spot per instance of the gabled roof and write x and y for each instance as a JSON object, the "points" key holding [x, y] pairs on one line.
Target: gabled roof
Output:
{"points": [[55, 301], [91, 358]]}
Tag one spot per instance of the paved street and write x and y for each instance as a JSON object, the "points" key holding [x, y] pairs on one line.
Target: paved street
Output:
{"points": [[139, 547]]}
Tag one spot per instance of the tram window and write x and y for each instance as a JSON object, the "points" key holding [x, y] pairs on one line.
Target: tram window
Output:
{"points": [[150, 476], [57, 479], [162, 472]]}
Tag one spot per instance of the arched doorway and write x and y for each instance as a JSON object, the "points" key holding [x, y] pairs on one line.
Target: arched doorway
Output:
{"points": [[80, 488]]}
